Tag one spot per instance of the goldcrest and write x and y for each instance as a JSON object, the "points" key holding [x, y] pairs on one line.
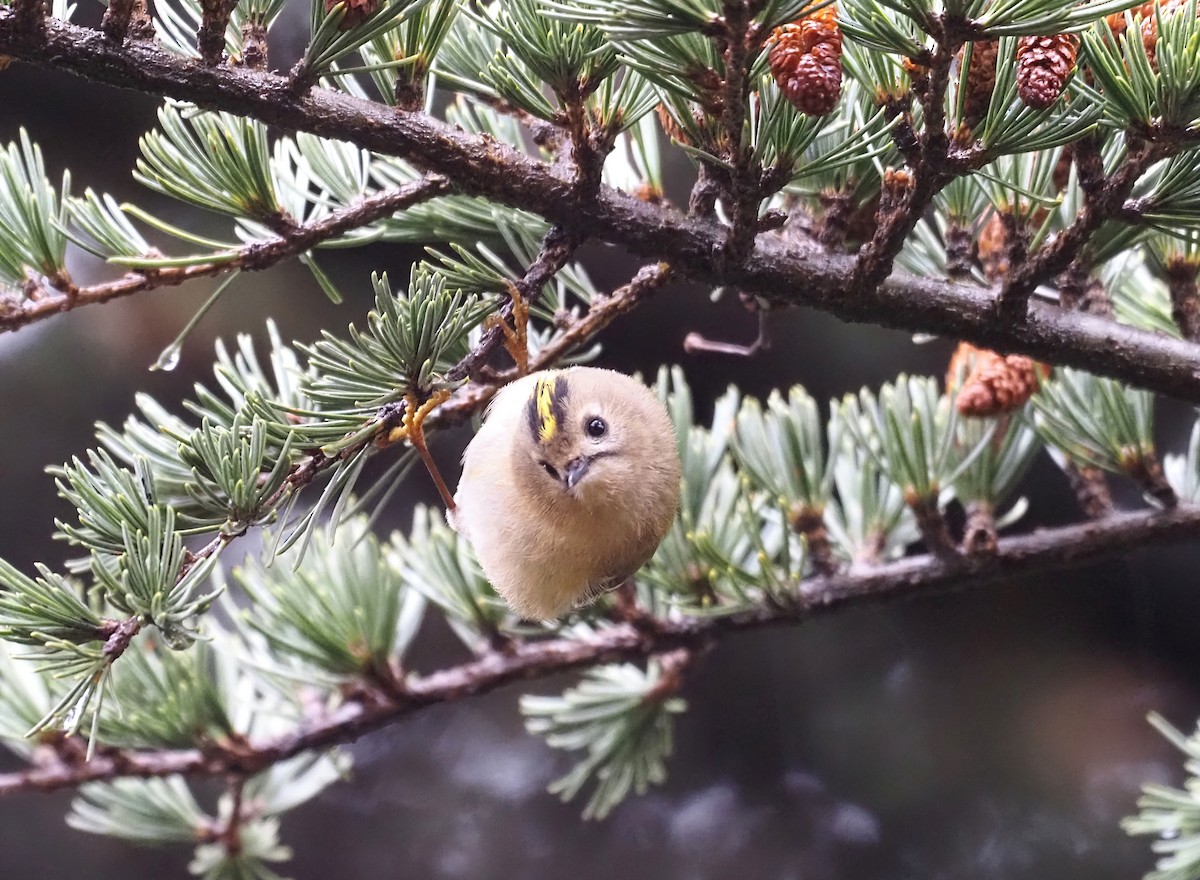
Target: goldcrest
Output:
{"points": [[568, 488]]}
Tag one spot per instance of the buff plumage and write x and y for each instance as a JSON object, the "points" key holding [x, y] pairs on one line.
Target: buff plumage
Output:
{"points": [[568, 488]]}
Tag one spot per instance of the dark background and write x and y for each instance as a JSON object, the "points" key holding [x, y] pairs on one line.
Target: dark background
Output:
{"points": [[997, 732]]}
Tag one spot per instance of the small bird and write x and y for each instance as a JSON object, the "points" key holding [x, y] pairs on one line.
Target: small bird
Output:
{"points": [[568, 488]]}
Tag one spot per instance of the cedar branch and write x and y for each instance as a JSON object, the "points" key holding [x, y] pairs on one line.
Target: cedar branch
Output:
{"points": [[257, 255], [912, 577], [480, 166]]}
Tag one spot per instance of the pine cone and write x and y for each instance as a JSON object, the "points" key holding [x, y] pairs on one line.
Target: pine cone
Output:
{"points": [[357, 11], [670, 126], [805, 58], [1149, 25], [1116, 21], [1062, 168], [981, 81], [995, 384], [1043, 65]]}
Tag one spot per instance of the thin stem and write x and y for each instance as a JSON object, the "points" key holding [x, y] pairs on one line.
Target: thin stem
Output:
{"points": [[1099, 204], [258, 255], [742, 186], [557, 248], [909, 194], [1185, 297]]}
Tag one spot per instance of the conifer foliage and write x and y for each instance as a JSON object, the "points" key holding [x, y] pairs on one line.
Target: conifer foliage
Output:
{"points": [[1020, 175]]}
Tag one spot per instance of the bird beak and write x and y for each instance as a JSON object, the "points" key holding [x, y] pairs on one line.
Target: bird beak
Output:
{"points": [[575, 470]]}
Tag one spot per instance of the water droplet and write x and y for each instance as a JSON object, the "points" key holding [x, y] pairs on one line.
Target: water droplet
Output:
{"points": [[71, 718], [169, 359]]}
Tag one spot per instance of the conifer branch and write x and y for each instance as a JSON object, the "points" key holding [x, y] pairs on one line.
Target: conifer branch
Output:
{"points": [[376, 707], [251, 257], [783, 274]]}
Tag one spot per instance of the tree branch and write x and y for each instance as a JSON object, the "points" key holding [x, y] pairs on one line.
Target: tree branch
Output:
{"points": [[781, 273], [913, 577], [257, 255]]}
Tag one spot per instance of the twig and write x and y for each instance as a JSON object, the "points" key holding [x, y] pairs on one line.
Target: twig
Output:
{"points": [[557, 248], [30, 16], [1185, 297], [913, 577], [258, 255], [741, 184], [1091, 490], [210, 36], [115, 23], [930, 174], [603, 312], [782, 274], [694, 343], [1099, 204]]}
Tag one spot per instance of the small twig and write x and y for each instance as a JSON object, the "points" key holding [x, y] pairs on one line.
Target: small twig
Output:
{"points": [[1078, 290], [1099, 204], [834, 222], [118, 635], [932, 525], [252, 257], [672, 666], [210, 36], [587, 153], [115, 23], [1043, 550], [930, 174], [979, 533], [231, 834], [1145, 469], [742, 187], [1091, 490], [1185, 298], [254, 45], [695, 343], [810, 522], [31, 15], [557, 248], [960, 252]]}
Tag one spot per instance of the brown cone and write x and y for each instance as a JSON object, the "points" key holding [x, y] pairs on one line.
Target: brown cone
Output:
{"points": [[1043, 65], [994, 384], [805, 58], [981, 81]]}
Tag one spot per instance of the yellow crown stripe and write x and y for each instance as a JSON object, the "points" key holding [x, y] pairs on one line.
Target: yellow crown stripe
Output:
{"points": [[547, 418]]}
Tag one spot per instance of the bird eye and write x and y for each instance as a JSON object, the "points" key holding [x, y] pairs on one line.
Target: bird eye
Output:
{"points": [[549, 468], [596, 428]]}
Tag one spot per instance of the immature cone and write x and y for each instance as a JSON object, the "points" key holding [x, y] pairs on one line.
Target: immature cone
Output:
{"points": [[1149, 25], [806, 60], [1116, 21], [981, 81], [993, 248], [1043, 65], [357, 11], [995, 384], [670, 126]]}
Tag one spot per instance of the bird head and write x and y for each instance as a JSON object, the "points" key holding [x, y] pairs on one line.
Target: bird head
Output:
{"points": [[593, 436]]}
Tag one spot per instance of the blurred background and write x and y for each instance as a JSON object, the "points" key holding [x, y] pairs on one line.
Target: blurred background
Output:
{"points": [[998, 732]]}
